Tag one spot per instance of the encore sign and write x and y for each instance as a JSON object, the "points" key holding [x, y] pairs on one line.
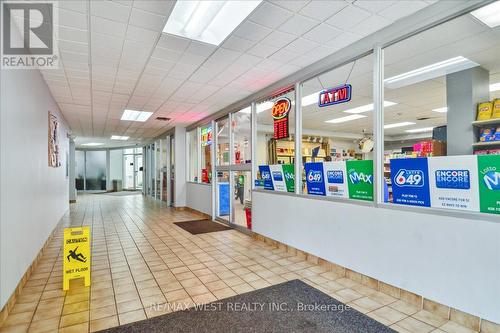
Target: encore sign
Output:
{"points": [[335, 95], [280, 111]]}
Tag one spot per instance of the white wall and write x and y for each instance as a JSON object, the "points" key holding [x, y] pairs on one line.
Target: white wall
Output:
{"points": [[180, 166], [33, 196], [454, 261], [199, 197]]}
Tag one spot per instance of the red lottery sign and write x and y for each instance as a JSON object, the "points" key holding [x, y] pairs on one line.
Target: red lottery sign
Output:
{"points": [[280, 111]]}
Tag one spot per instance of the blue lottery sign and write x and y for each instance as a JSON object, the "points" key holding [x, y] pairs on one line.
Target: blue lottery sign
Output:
{"points": [[265, 174], [453, 179], [335, 177], [410, 181], [314, 178]]}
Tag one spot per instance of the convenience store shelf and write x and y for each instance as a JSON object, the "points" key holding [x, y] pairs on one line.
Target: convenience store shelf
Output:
{"points": [[486, 144], [480, 123]]}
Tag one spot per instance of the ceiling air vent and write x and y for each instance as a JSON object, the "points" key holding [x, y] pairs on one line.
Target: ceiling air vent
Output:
{"points": [[162, 118]]}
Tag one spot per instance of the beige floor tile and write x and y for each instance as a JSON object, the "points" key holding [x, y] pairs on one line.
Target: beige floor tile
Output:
{"points": [[414, 325], [74, 319], [103, 323], [128, 306], [129, 317], [18, 319], [224, 293], [429, 318], [404, 307], [79, 328], [47, 325], [197, 290], [452, 327], [389, 314]]}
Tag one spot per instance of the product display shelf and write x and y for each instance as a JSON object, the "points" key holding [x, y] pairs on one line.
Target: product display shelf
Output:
{"points": [[480, 123], [486, 143]]}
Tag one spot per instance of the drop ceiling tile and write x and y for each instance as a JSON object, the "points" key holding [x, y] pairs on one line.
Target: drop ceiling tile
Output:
{"points": [[370, 25], [68, 18], [262, 50], [301, 45], [202, 49], [73, 35], [348, 17], [278, 39], [284, 56], [252, 31], [166, 54], [270, 15], [156, 7], [172, 42], [147, 20], [108, 27], [293, 6], [141, 35], [321, 10], [236, 43], [298, 25], [322, 33], [110, 10], [402, 8], [374, 6], [77, 6], [106, 42], [81, 48]]}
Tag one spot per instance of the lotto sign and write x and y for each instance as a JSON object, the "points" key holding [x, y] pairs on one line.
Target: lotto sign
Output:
{"points": [[335, 95], [314, 178], [410, 181], [278, 178], [489, 183], [453, 182], [280, 111], [265, 174], [76, 255], [335, 179], [360, 179], [289, 175]]}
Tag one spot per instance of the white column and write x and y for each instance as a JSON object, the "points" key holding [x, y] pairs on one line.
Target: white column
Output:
{"points": [[109, 185], [298, 137], [378, 124], [71, 171], [180, 149]]}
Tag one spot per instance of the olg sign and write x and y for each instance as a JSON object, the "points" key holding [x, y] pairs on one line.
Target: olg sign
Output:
{"points": [[360, 179], [489, 183]]}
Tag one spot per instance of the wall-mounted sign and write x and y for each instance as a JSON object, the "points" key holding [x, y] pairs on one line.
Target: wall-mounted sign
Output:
{"points": [[280, 111], [410, 181], [335, 95], [489, 183], [206, 136], [360, 179], [278, 177]]}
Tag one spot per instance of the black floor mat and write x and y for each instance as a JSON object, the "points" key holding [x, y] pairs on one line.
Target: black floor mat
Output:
{"points": [[201, 226], [293, 306]]}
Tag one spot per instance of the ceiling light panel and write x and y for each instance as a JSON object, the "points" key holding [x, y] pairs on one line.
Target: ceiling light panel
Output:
{"points": [[208, 21], [495, 86], [92, 144], [402, 124], [429, 72], [420, 130], [489, 15], [444, 109], [345, 119], [119, 137], [133, 115], [368, 107]]}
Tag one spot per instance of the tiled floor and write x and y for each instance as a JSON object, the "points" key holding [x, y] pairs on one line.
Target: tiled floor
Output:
{"points": [[140, 258]]}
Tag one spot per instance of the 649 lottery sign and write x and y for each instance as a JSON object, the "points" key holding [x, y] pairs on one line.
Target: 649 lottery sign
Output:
{"points": [[76, 255], [280, 111]]}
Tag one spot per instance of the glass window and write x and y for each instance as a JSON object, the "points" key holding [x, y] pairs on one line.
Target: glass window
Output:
{"points": [[275, 142], [337, 132], [193, 144], [206, 157], [116, 165], [95, 170], [223, 141], [442, 132], [80, 170], [242, 135]]}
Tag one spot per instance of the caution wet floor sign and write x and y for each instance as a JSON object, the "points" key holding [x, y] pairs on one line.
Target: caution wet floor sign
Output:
{"points": [[76, 255]]}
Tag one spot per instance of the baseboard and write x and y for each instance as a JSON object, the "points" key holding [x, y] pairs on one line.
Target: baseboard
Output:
{"points": [[12, 299], [465, 319], [192, 210]]}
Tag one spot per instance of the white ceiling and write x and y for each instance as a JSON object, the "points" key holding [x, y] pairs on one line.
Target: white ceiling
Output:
{"points": [[115, 56]]}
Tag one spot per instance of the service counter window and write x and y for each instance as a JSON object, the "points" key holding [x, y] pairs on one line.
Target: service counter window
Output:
{"points": [[275, 143], [206, 155], [193, 144], [337, 132], [442, 117]]}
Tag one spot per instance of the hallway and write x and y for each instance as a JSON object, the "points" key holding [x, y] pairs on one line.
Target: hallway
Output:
{"points": [[140, 258]]}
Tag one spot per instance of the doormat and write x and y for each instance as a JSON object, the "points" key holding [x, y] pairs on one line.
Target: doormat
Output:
{"points": [[292, 306], [201, 226]]}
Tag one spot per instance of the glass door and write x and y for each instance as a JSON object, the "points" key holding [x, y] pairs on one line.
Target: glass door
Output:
{"points": [[172, 171], [138, 171], [234, 168]]}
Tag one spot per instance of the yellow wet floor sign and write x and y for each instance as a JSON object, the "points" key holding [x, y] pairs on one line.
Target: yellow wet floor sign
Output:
{"points": [[76, 255]]}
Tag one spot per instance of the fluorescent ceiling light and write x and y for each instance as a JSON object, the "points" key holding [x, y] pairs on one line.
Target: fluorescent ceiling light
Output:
{"points": [[310, 99], [346, 118], [92, 144], [368, 107], [133, 115], [429, 72], [489, 15], [402, 124], [206, 20], [260, 107], [119, 137], [495, 86], [441, 110], [420, 130]]}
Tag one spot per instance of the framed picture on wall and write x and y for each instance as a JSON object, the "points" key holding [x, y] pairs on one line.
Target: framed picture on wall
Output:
{"points": [[53, 138]]}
